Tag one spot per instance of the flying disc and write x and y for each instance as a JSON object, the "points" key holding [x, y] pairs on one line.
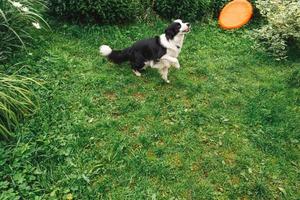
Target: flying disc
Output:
{"points": [[235, 14]]}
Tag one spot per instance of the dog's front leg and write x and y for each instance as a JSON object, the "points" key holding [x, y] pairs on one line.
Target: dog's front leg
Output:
{"points": [[177, 65], [164, 70], [164, 73], [169, 58], [172, 60]]}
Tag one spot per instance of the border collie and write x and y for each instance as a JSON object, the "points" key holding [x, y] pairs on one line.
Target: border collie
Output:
{"points": [[160, 52]]}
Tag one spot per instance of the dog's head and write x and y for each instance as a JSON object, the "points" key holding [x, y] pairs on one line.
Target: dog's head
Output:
{"points": [[178, 27]]}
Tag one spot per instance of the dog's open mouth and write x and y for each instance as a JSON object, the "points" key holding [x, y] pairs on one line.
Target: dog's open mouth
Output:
{"points": [[187, 30]]}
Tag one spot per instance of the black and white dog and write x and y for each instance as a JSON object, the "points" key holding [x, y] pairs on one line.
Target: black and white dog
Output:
{"points": [[160, 52]]}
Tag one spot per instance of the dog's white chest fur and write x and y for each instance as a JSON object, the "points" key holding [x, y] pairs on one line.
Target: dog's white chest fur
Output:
{"points": [[173, 46]]}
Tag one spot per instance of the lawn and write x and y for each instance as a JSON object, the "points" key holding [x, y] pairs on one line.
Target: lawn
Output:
{"points": [[226, 127]]}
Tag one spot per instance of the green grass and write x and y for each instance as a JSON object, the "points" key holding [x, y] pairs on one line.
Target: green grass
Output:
{"points": [[15, 102], [227, 127]]}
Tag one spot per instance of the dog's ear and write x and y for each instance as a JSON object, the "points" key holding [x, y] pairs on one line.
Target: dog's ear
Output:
{"points": [[172, 31]]}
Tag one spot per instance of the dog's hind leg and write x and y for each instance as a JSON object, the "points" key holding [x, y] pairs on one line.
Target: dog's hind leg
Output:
{"points": [[137, 66], [137, 72], [138, 63]]}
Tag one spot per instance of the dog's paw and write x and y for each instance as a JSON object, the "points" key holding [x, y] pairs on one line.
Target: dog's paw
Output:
{"points": [[177, 65], [167, 81], [137, 73]]}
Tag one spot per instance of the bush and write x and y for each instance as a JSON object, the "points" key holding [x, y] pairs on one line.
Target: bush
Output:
{"points": [[283, 25], [189, 10], [15, 102], [217, 5], [118, 11], [18, 21], [104, 11], [147, 3]]}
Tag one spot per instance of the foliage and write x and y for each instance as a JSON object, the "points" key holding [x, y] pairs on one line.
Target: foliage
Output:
{"points": [[283, 25], [18, 174], [18, 21], [294, 79], [190, 10], [104, 11], [148, 3], [116, 11], [217, 5], [16, 101]]}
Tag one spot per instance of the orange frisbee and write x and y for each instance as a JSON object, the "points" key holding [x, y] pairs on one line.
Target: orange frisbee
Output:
{"points": [[235, 14]]}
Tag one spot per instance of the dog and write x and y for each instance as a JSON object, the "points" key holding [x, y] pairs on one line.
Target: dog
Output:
{"points": [[160, 52]]}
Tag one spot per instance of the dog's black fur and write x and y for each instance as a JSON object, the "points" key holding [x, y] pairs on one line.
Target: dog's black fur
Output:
{"points": [[144, 50]]}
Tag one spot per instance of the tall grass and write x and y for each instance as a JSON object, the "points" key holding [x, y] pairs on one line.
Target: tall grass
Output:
{"points": [[16, 101], [18, 22]]}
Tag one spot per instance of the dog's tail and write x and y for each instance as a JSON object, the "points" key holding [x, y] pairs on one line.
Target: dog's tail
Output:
{"points": [[116, 56]]}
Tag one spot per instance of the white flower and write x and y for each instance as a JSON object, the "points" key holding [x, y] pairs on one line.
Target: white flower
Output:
{"points": [[24, 9], [16, 4], [36, 25]]}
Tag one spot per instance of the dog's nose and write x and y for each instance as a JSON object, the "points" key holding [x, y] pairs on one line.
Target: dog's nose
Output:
{"points": [[188, 24]]}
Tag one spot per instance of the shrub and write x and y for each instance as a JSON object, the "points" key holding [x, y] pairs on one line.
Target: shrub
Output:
{"points": [[217, 5], [104, 11], [15, 102], [147, 3], [18, 21], [190, 9], [186, 9], [283, 25]]}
